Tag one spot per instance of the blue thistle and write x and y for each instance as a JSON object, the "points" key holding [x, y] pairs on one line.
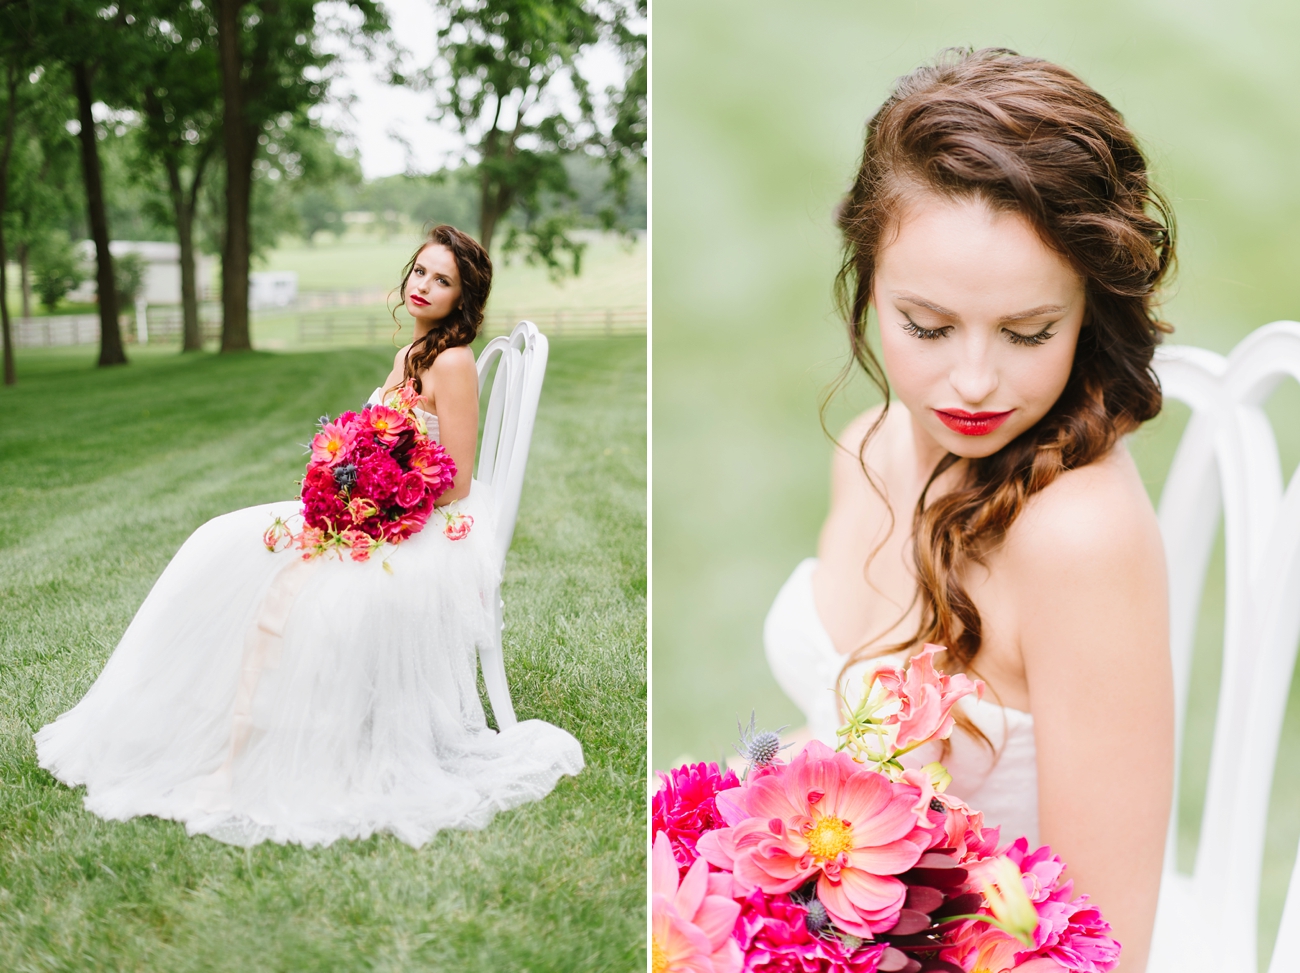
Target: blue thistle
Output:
{"points": [[759, 747], [817, 919], [345, 476]]}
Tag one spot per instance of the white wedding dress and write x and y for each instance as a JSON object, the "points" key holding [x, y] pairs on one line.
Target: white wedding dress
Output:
{"points": [[256, 696], [1003, 784]]}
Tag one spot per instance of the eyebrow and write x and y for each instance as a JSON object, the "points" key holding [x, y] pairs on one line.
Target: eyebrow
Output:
{"points": [[1032, 312]]}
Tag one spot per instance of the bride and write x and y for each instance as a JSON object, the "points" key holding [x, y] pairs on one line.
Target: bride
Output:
{"points": [[1003, 229], [259, 696]]}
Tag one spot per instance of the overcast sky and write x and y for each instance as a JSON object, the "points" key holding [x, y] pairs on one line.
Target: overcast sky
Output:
{"points": [[382, 116]]}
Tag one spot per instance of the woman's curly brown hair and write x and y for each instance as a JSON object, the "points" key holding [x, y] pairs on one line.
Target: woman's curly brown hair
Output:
{"points": [[462, 325], [1023, 135]]}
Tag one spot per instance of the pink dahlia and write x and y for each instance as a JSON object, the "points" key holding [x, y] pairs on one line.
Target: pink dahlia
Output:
{"points": [[691, 919], [773, 932], [926, 698], [333, 441], [387, 424], [827, 818], [684, 807], [434, 464]]}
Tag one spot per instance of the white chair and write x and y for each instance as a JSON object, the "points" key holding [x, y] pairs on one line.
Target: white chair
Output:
{"points": [[1228, 462], [503, 453]]}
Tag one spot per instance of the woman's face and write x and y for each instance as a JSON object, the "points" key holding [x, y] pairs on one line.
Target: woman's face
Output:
{"points": [[433, 287], [978, 322]]}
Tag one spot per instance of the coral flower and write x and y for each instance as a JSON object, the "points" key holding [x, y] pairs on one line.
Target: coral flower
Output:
{"points": [[925, 697], [827, 818], [458, 527], [333, 441], [692, 920], [388, 424]]}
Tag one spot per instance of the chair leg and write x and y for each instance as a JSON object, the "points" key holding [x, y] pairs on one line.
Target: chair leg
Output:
{"points": [[492, 658]]}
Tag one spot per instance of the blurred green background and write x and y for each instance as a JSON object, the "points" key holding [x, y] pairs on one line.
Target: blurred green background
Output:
{"points": [[759, 110]]}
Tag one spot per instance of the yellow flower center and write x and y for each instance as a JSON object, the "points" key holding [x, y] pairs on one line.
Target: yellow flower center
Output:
{"points": [[658, 958], [828, 837]]}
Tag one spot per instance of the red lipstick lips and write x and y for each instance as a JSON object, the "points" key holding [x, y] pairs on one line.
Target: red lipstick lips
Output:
{"points": [[418, 301], [972, 423]]}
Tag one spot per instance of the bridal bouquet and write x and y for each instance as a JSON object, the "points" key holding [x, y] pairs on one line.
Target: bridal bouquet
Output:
{"points": [[373, 477], [845, 861]]}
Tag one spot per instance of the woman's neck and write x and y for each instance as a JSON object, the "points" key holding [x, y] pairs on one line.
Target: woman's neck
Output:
{"points": [[422, 328]]}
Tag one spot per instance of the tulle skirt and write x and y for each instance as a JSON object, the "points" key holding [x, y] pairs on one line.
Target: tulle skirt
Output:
{"points": [[257, 696]]}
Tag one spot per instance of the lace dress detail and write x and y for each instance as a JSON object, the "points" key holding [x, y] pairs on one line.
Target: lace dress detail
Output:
{"points": [[1003, 783]]}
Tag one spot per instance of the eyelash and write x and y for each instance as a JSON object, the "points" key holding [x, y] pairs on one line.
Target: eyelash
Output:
{"points": [[925, 334], [1030, 339], [928, 334]]}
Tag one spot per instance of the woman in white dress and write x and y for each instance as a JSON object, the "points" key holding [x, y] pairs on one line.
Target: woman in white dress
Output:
{"points": [[1004, 231], [260, 696]]}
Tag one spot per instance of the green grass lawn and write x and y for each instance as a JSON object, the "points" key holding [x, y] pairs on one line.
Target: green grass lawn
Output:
{"points": [[103, 475], [759, 116]]}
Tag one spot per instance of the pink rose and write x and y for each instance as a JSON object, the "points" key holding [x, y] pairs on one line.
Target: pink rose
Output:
{"points": [[410, 489]]}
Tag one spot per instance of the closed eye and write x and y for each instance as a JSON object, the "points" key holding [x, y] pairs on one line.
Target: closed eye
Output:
{"points": [[925, 334], [1028, 339]]}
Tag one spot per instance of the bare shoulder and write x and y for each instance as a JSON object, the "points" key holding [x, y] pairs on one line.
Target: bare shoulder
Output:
{"points": [[1096, 517], [399, 359], [457, 361]]}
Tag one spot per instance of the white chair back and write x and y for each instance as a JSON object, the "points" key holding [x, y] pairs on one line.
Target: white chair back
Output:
{"points": [[1227, 462], [508, 424]]}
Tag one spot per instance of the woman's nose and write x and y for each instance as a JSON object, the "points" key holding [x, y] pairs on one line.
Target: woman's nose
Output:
{"points": [[974, 377]]}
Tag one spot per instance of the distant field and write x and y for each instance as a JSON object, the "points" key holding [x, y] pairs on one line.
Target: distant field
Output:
{"points": [[613, 270]]}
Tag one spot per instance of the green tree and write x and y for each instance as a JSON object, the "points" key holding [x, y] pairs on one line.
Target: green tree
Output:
{"points": [[505, 70], [178, 93], [56, 268], [272, 65], [87, 38]]}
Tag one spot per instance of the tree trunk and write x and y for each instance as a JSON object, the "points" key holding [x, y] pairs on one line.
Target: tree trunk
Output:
{"points": [[192, 340], [111, 351], [240, 144], [25, 278], [487, 212], [10, 376]]}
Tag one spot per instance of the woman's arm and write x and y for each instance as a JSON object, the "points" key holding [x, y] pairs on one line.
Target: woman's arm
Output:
{"points": [[453, 381], [1088, 565]]}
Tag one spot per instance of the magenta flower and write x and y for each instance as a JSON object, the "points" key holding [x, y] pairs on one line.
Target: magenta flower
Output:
{"points": [[378, 476], [684, 806], [827, 818], [1070, 932], [773, 933], [691, 920]]}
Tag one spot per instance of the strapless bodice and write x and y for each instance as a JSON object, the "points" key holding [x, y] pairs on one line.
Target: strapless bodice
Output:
{"points": [[1003, 784], [430, 420]]}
